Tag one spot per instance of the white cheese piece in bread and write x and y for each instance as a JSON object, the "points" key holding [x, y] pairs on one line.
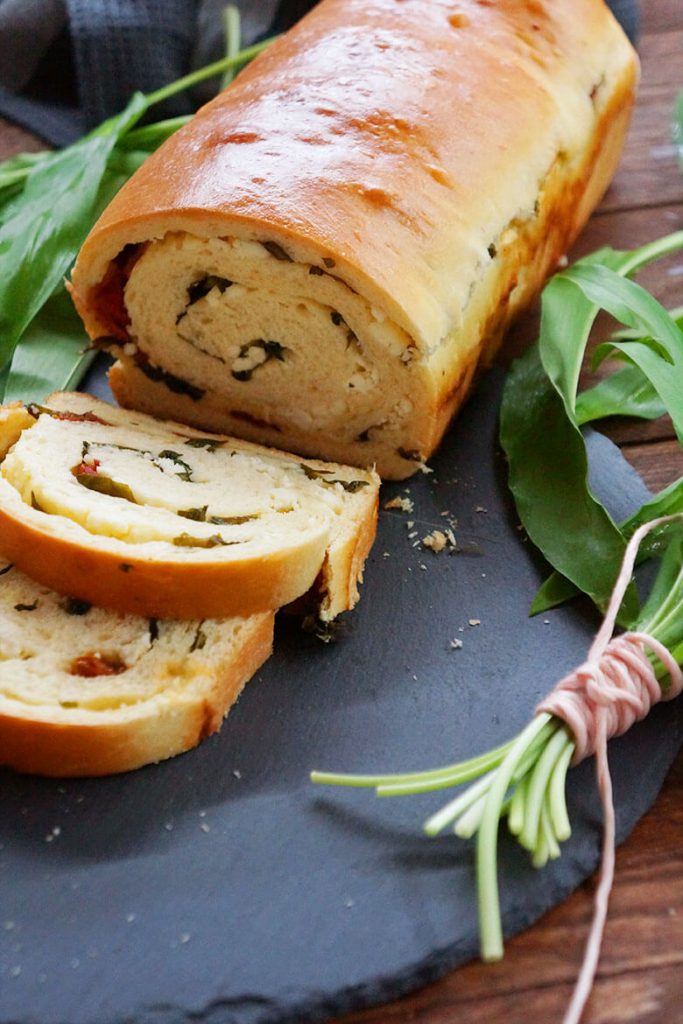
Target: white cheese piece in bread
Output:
{"points": [[159, 519], [84, 691]]}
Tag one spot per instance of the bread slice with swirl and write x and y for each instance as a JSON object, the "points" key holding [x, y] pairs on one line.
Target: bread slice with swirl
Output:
{"points": [[84, 691], [158, 519]]}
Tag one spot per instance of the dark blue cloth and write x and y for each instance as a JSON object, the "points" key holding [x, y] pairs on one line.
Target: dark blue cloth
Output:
{"points": [[97, 52]]}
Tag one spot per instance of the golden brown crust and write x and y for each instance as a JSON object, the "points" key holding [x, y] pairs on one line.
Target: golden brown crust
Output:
{"points": [[403, 141], [83, 744], [322, 154], [13, 420], [153, 587]]}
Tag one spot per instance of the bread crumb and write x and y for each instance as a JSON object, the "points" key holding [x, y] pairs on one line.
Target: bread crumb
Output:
{"points": [[474, 622], [169, 826], [348, 902], [237, 773], [130, 918], [480, 508], [410, 524], [204, 827], [456, 644], [438, 540], [185, 937], [404, 504]]}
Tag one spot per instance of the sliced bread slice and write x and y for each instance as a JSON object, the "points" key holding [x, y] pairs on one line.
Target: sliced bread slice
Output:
{"points": [[85, 691], [154, 518]]}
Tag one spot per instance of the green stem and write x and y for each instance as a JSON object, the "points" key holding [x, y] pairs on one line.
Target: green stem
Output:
{"points": [[516, 815], [540, 777], [655, 250], [462, 771], [141, 138], [461, 803], [668, 612], [217, 68], [558, 799], [232, 30], [490, 926], [547, 829]]}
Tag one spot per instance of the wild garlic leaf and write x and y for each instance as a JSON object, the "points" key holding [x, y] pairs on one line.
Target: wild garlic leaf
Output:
{"points": [[539, 427], [547, 474], [626, 392], [665, 374], [659, 352], [665, 581], [628, 302], [557, 589], [40, 239], [53, 354]]}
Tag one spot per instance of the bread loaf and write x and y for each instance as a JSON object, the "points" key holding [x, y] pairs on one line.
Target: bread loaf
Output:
{"points": [[85, 691], [324, 256], [159, 519]]}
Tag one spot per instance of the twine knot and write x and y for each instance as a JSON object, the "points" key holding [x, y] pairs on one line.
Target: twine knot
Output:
{"points": [[606, 695]]}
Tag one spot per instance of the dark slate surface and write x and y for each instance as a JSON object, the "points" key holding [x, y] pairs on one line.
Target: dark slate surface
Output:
{"points": [[222, 887]]}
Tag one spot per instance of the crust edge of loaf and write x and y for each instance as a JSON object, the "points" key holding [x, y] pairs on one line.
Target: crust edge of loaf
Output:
{"points": [[83, 743], [571, 198], [119, 579]]}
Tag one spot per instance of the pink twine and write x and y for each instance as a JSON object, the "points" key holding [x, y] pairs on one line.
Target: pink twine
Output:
{"points": [[615, 687]]}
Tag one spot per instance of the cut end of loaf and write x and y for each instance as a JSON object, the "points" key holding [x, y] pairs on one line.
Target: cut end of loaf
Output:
{"points": [[85, 692], [156, 519]]}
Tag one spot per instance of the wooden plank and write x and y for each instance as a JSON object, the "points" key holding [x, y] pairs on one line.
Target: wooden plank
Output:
{"points": [[660, 56], [649, 174], [658, 464], [14, 139], [660, 16]]}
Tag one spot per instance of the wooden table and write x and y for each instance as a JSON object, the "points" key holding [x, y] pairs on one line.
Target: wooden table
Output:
{"points": [[640, 977]]}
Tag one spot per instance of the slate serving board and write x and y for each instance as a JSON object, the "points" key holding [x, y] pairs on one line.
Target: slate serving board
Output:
{"points": [[221, 887]]}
